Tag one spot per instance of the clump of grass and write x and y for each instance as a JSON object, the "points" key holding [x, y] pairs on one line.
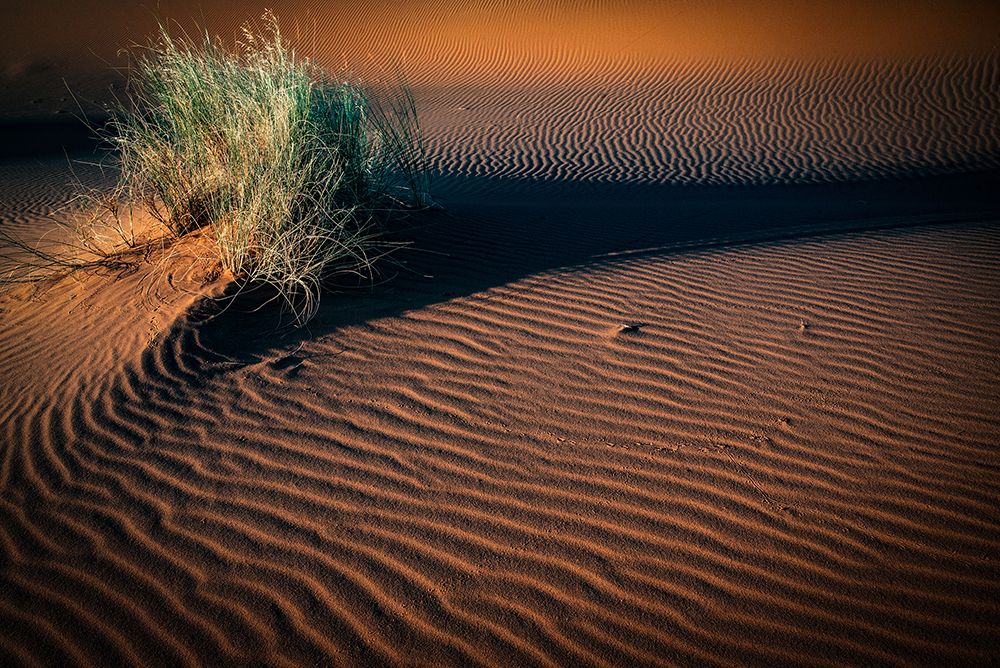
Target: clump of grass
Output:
{"points": [[289, 169]]}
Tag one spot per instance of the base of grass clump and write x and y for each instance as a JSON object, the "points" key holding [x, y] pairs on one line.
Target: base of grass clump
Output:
{"points": [[291, 171]]}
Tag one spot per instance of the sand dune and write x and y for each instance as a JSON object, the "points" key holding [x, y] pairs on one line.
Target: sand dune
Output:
{"points": [[697, 366], [796, 443], [739, 122]]}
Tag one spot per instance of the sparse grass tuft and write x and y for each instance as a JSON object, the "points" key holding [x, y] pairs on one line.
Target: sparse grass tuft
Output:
{"points": [[290, 170]]}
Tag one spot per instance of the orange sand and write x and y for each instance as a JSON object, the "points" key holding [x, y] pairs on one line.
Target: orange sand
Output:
{"points": [[699, 366]]}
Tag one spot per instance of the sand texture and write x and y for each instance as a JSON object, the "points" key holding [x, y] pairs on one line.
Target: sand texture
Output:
{"points": [[698, 365]]}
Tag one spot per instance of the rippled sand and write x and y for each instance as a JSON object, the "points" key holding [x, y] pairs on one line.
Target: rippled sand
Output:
{"points": [[699, 365]]}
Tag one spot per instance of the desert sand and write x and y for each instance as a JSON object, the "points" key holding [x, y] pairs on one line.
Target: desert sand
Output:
{"points": [[698, 363]]}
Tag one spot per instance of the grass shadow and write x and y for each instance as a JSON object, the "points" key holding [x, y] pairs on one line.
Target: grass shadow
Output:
{"points": [[495, 232]]}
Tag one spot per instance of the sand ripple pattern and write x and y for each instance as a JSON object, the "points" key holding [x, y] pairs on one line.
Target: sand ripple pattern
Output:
{"points": [[793, 460], [725, 122], [37, 190]]}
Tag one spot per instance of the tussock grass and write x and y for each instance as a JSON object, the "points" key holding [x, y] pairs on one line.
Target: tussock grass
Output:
{"points": [[291, 171]]}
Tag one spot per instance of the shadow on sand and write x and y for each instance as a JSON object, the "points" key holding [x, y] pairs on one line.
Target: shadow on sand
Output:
{"points": [[494, 232]]}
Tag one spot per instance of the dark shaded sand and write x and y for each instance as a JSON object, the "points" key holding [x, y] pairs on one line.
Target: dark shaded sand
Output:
{"points": [[698, 366]]}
